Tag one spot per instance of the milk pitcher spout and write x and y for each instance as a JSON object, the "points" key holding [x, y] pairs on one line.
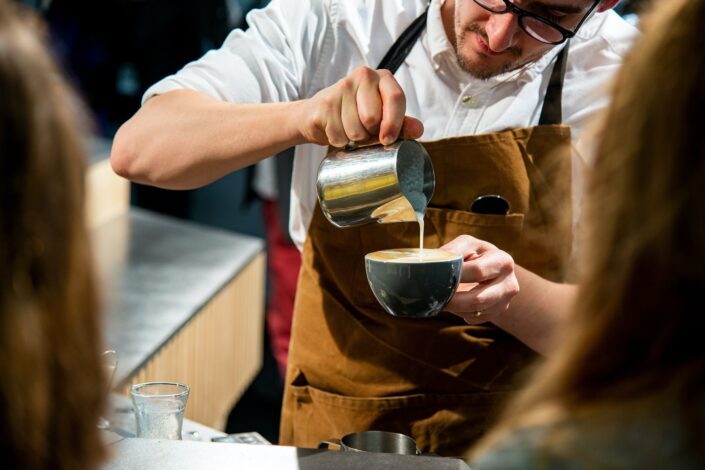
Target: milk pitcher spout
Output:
{"points": [[379, 183]]}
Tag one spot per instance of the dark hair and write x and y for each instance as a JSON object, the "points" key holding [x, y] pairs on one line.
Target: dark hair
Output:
{"points": [[52, 392], [636, 335]]}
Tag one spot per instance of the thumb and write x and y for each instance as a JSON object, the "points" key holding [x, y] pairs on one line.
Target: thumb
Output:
{"points": [[411, 128]]}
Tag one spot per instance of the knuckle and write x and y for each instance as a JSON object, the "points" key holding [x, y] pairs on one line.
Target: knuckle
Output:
{"points": [[397, 95], [337, 142], [474, 271], [347, 84], [385, 73], [334, 137], [369, 120], [507, 263], [358, 135], [514, 288], [514, 291], [363, 73]]}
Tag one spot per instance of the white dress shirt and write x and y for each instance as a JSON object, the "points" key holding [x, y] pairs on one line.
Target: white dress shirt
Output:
{"points": [[294, 48]]}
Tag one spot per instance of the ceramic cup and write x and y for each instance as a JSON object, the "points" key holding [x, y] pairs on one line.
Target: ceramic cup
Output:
{"points": [[408, 284]]}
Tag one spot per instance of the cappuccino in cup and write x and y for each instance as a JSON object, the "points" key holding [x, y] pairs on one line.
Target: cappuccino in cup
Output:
{"points": [[412, 255], [413, 283]]}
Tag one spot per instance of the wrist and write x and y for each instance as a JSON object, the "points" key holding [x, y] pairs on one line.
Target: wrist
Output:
{"points": [[298, 115]]}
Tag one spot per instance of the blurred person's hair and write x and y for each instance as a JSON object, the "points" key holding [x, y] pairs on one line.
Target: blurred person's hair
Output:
{"points": [[52, 392], [635, 345]]}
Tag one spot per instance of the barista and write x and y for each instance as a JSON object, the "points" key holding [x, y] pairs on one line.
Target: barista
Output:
{"points": [[498, 99]]}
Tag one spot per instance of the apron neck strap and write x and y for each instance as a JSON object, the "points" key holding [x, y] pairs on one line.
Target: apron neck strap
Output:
{"points": [[396, 55], [552, 112]]}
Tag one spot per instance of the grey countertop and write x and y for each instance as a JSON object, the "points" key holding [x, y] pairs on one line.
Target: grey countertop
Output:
{"points": [[157, 273]]}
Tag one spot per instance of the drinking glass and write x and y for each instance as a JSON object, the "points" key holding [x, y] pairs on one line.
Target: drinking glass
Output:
{"points": [[159, 409], [110, 362]]}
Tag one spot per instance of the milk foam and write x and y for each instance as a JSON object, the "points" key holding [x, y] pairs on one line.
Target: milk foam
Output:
{"points": [[412, 255]]}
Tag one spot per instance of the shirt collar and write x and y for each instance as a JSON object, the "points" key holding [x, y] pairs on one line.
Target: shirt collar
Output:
{"points": [[437, 39]]}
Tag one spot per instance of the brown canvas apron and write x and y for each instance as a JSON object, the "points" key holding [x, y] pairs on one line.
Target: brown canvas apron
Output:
{"points": [[353, 367]]}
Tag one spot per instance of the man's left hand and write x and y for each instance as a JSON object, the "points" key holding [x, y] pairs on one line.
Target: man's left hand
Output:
{"points": [[488, 281]]}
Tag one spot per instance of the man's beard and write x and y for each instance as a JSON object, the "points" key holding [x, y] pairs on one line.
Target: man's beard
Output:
{"points": [[483, 71]]}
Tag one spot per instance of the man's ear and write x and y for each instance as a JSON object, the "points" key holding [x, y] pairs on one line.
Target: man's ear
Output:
{"points": [[607, 5]]}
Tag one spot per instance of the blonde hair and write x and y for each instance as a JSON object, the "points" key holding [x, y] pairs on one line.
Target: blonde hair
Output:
{"points": [[636, 334], [52, 392]]}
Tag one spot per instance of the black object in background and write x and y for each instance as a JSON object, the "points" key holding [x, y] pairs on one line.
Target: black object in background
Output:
{"points": [[259, 409], [113, 50]]}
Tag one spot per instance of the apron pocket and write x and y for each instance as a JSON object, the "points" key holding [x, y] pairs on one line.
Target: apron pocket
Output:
{"points": [[441, 227], [444, 225], [446, 424]]}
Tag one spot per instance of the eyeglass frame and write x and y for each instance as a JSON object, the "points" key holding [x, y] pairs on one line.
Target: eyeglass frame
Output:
{"points": [[509, 7]]}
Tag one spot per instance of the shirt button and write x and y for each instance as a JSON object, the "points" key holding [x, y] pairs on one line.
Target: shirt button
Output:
{"points": [[467, 100]]}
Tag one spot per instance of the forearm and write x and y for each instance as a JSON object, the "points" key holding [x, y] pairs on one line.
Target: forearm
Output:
{"points": [[536, 312], [184, 139]]}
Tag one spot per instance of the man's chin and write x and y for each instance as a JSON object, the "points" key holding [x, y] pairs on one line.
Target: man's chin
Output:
{"points": [[485, 71]]}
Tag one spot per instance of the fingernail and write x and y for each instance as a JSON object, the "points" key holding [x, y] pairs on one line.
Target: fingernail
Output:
{"points": [[387, 140]]}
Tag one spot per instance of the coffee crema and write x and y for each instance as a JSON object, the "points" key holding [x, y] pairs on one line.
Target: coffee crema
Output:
{"points": [[412, 255]]}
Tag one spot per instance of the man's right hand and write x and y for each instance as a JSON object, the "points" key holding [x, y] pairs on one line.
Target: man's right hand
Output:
{"points": [[368, 105]]}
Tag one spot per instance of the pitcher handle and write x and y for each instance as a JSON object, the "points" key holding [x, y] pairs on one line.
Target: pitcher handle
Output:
{"points": [[328, 443]]}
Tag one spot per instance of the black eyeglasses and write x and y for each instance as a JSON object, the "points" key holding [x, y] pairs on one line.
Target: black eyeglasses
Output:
{"points": [[536, 26]]}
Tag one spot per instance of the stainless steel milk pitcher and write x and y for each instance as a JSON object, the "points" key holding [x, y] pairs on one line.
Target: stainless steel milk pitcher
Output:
{"points": [[379, 183]]}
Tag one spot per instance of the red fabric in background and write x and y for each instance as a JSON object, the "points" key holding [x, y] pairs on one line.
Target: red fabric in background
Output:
{"points": [[283, 262]]}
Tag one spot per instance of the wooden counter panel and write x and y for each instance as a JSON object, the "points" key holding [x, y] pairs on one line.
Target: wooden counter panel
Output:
{"points": [[218, 352], [107, 194]]}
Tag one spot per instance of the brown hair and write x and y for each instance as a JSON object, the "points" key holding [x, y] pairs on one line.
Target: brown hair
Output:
{"points": [[636, 335], [51, 393]]}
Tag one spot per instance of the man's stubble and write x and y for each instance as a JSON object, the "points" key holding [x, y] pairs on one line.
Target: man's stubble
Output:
{"points": [[487, 71]]}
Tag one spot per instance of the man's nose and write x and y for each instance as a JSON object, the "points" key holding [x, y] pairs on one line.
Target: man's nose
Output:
{"points": [[502, 31]]}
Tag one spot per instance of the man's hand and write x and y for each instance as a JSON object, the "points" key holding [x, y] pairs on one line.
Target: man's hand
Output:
{"points": [[488, 280], [367, 105]]}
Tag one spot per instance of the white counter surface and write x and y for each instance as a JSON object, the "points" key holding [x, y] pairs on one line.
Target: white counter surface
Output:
{"points": [[131, 453], [136, 453]]}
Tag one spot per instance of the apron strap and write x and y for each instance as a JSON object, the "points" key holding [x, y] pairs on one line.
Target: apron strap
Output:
{"points": [[396, 55], [552, 112]]}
